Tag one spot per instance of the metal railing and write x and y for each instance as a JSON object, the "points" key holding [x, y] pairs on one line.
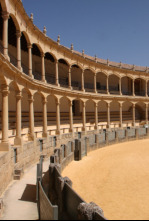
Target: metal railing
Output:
{"points": [[37, 75], [13, 59], [51, 79], [25, 69]]}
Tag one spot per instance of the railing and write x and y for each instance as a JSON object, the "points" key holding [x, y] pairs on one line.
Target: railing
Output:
{"points": [[25, 69], [63, 82], [51, 79], [13, 59], [128, 93], [37, 75], [140, 93], [113, 88], [76, 85]]}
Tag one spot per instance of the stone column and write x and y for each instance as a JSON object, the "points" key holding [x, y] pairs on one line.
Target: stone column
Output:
{"points": [[69, 78], [146, 89], [45, 119], [120, 86], [108, 116], [83, 89], [43, 67], [146, 113], [58, 132], [121, 115], [134, 115], [95, 83], [84, 116], [71, 116], [31, 117], [5, 17], [133, 87], [57, 75], [96, 116], [30, 60], [4, 146], [18, 139], [108, 85], [18, 34]]}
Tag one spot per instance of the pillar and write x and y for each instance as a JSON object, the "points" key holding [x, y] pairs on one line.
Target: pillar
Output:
{"points": [[43, 67], [31, 117], [108, 85], [120, 86], [18, 34], [71, 116], [147, 114], [57, 75], [134, 115], [58, 132], [4, 146], [18, 139], [96, 116], [45, 120], [121, 115], [146, 89], [30, 60], [69, 78], [83, 89], [84, 116], [133, 87], [95, 83], [5, 17], [108, 116]]}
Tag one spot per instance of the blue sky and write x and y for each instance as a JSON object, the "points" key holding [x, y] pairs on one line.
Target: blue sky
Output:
{"points": [[113, 29]]}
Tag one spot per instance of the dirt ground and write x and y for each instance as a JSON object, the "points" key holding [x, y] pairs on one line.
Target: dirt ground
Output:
{"points": [[116, 178]]}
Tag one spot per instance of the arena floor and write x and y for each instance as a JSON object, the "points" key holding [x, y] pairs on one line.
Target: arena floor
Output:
{"points": [[116, 178]]}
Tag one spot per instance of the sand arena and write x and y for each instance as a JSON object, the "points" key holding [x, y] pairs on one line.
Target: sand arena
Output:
{"points": [[116, 178]]}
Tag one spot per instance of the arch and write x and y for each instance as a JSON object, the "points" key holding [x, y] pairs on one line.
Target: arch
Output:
{"points": [[101, 82], [76, 77], [78, 65], [64, 112], [24, 53], [36, 62], [90, 69], [126, 83], [52, 54], [63, 69], [26, 37], [50, 68], [5, 5], [63, 61], [114, 84], [140, 86], [14, 85], [89, 80], [102, 114], [17, 25]]}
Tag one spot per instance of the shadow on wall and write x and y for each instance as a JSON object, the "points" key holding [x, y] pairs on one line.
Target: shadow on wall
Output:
{"points": [[29, 194]]}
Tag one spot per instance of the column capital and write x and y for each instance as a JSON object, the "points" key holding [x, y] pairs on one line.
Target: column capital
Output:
{"points": [[96, 105], [18, 34], [19, 95], [29, 46], [84, 103], [58, 102], [42, 54], [30, 98], [44, 100], [70, 103], [5, 15], [5, 90]]}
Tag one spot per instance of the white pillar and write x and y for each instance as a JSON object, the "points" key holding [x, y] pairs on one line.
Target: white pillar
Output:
{"points": [[58, 132], [5, 17], [96, 116], [84, 116], [83, 89], [121, 115], [43, 67], [31, 117], [45, 120], [18, 139], [134, 116], [146, 113], [57, 74], [95, 83], [108, 116], [4, 146], [71, 116], [69, 78], [30, 60], [18, 34]]}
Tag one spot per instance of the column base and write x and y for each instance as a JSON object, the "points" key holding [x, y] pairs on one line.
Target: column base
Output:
{"points": [[7, 57], [20, 69], [4, 146], [83, 90], [18, 141], [70, 88], [58, 85], [31, 137]]}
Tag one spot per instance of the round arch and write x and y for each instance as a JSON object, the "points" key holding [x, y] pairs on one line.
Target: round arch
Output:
{"points": [[89, 80], [114, 87], [101, 82], [140, 86], [50, 68], [76, 77], [63, 70], [36, 62], [126, 82]]}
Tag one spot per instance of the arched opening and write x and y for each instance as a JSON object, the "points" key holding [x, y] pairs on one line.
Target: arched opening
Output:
{"points": [[115, 114], [64, 115], [114, 84], [50, 68], [1, 30], [51, 112], [89, 81], [77, 115], [36, 62], [140, 112], [90, 115], [126, 86], [63, 70], [76, 77], [127, 114], [24, 54], [101, 83], [38, 115], [140, 87], [12, 42], [102, 114]]}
